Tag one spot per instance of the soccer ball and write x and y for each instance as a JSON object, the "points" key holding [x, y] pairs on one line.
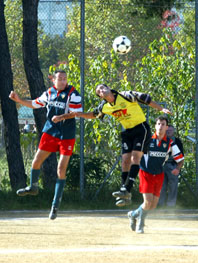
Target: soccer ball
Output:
{"points": [[121, 45]]}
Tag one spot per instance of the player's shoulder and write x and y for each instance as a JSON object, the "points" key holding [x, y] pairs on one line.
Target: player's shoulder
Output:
{"points": [[73, 90], [128, 94], [102, 103]]}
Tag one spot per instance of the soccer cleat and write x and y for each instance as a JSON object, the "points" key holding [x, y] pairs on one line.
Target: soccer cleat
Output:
{"points": [[28, 191], [123, 194], [140, 230], [53, 213], [140, 226], [132, 220], [123, 202]]}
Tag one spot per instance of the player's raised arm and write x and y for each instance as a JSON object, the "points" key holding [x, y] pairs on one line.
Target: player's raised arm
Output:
{"points": [[146, 99], [15, 97], [155, 105]]}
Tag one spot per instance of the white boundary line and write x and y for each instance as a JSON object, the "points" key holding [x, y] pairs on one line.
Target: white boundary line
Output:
{"points": [[96, 249]]}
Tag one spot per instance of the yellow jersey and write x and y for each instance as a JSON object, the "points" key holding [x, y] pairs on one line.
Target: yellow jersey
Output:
{"points": [[125, 108]]}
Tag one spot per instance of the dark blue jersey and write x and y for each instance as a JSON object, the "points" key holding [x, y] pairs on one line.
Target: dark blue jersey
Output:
{"points": [[58, 103], [157, 154]]}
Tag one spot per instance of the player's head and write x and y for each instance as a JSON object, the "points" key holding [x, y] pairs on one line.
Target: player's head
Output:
{"points": [[60, 79], [161, 125], [102, 91]]}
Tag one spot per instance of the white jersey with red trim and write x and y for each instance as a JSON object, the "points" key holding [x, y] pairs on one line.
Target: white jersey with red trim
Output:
{"points": [[58, 103], [158, 153]]}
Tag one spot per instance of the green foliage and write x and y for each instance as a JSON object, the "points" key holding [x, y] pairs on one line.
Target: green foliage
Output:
{"points": [[167, 73], [4, 178], [105, 20], [95, 171], [187, 32], [187, 193]]}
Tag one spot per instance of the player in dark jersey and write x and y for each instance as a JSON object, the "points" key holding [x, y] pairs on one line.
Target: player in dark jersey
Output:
{"points": [[125, 108], [151, 173], [58, 133]]}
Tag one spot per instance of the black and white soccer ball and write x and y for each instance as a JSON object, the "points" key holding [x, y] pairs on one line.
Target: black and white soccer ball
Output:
{"points": [[121, 45]]}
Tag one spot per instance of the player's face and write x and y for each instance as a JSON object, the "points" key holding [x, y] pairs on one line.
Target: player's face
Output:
{"points": [[103, 91], [60, 81], [161, 127]]}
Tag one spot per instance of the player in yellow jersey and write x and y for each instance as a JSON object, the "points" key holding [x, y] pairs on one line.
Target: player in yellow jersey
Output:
{"points": [[124, 107]]}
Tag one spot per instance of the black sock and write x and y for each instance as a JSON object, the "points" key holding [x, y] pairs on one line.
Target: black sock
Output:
{"points": [[124, 177], [132, 176]]}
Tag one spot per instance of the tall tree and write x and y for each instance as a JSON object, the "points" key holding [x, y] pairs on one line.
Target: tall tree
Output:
{"points": [[9, 112], [35, 78]]}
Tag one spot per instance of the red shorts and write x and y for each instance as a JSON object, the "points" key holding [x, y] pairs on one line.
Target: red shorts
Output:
{"points": [[49, 143], [150, 183]]}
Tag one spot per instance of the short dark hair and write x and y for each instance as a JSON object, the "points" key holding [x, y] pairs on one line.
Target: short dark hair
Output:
{"points": [[162, 118], [59, 71], [99, 86]]}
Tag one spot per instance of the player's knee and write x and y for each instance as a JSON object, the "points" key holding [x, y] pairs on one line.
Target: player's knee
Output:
{"points": [[136, 158], [126, 161], [36, 164], [61, 172], [147, 204]]}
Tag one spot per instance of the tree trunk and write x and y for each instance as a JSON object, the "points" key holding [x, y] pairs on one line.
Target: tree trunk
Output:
{"points": [[10, 117], [35, 79]]}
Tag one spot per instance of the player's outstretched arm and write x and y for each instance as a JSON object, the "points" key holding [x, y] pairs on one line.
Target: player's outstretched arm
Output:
{"points": [[155, 105], [66, 116], [15, 97], [85, 115]]}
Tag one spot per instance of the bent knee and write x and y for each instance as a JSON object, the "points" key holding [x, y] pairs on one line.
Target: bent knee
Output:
{"points": [[36, 164], [147, 205]]}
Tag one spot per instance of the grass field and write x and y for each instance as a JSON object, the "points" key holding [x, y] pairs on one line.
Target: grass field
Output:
{"points": [[98, 237]]}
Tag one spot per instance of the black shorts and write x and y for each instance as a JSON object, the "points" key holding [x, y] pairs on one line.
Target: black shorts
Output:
{"points": [[136, 139]]}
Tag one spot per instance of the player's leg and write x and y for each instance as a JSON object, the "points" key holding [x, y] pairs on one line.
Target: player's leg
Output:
{"points": [[47, 145], [155, 202], [39, 158], [136, 157], [143, 211], [65, 148], [135, 141], [146, 187], [59, 186], [126, 163], [137, 219], [122, 197], [163, 194], [125, 191]]}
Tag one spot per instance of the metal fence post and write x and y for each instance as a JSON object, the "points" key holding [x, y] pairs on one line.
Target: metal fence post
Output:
{"points": [[82, 60]]}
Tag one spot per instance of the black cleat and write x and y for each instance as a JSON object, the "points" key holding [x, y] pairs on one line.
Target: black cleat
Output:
{"points": [[53, 213], [28, 191]]}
